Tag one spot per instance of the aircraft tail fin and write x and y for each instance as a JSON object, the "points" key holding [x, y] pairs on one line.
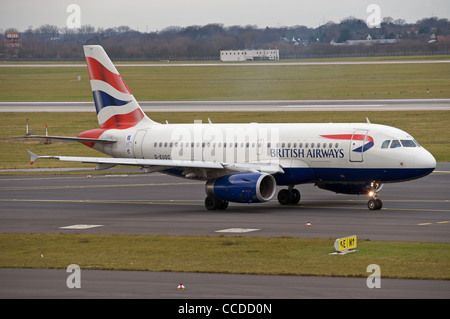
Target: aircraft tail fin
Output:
{"points": [[115, 104]]}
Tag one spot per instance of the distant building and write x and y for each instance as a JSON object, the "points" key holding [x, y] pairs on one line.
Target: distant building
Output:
{"points": [[249, 55], [12, 44]]}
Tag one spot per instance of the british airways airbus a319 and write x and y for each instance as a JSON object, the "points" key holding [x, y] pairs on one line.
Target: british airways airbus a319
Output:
{"points": [[245, 163]]}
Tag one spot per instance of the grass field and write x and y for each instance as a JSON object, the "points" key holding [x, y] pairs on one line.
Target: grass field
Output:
{"points": [[261, 82], [245, 255]]}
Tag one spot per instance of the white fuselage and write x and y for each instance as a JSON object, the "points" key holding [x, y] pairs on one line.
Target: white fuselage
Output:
{"points": [[309, 152]]}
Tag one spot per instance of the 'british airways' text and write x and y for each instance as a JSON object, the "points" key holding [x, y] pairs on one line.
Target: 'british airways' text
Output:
{"points": [[306, 153]]}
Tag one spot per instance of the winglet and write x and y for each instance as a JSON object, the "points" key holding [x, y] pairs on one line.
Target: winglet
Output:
{"points": [[33, 158]]}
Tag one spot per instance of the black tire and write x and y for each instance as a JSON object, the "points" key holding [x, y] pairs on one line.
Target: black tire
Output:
{"points": [[284, 197], [211, 203], [223, 205], [374, 204], [380, 203], [295, 196]]}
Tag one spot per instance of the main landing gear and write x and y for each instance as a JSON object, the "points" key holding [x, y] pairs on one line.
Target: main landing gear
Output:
{"points": [[213, 203], [374, 202], [290, 196]]}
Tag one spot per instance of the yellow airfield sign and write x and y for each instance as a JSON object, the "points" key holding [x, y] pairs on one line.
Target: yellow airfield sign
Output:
{"points": [[345, 243]]}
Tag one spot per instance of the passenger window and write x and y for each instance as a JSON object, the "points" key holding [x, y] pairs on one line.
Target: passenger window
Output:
{"points": [[395, 144], [408, 143], [385, 144]]}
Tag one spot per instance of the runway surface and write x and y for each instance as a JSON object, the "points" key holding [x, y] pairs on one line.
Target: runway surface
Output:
{"points": [[242, 106], [159, 204]]}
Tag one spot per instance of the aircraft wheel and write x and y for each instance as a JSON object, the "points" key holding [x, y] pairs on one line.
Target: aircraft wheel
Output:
{"points": [[380, 203], [211, 203], [223, 205], [295, 196], [374, 204], [284, 197]]}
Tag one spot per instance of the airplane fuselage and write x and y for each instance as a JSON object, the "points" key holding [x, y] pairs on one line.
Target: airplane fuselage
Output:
{"points": [[308, 153]]}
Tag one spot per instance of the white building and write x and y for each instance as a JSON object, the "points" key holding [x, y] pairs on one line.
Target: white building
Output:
{"points": [[249, 55]]}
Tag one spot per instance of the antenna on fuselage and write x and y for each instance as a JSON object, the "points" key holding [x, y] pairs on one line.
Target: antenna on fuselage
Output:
{"points": [[367, 119]]}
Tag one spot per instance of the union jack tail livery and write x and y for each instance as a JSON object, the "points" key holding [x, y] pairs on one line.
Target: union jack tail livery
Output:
{"points": [[116, 106]]}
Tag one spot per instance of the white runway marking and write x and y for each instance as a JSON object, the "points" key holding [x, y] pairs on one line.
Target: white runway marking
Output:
{"points": [[237, 230], [79, 226]]}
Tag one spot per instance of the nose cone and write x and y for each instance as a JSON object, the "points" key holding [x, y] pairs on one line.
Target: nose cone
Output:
{"points": [[426, 162]]}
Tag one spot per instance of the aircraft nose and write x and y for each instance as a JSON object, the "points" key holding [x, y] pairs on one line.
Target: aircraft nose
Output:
{"points": [[426, 160]]}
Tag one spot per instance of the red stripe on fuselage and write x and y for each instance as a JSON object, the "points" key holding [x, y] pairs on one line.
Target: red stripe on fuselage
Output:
{"points": [[358, 137], [98, 72]]}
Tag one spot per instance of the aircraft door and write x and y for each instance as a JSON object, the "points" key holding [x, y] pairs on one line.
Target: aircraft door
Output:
{"points": [[138, 143], [357, 145], [260, 147]]}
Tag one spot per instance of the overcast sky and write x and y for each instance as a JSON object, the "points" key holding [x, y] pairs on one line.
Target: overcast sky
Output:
{"points": [[155, 15]]}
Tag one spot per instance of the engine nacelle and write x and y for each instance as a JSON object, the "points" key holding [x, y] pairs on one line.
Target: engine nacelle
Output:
{"points": [[243, 187]]}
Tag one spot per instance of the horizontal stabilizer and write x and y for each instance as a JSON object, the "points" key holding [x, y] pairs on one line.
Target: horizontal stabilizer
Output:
{"points": [[33, 158], [73, 139]]}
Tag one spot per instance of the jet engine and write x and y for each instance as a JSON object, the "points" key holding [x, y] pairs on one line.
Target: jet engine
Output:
{"points": [[242, 187]]}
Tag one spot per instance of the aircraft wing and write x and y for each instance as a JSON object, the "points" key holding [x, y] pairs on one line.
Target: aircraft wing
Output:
{"points": [[157, 164]]}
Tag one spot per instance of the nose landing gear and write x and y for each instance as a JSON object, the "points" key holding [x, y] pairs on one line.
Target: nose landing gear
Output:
{"points": [[374, 202]]}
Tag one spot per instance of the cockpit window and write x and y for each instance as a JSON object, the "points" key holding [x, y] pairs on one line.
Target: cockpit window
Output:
{"points": [[385, 144], [408, 143], [415, 142], [395, 144]]}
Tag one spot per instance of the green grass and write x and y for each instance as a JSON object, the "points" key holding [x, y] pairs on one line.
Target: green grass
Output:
{"points": [[261, 82], [430, 128], [243, 255]]}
